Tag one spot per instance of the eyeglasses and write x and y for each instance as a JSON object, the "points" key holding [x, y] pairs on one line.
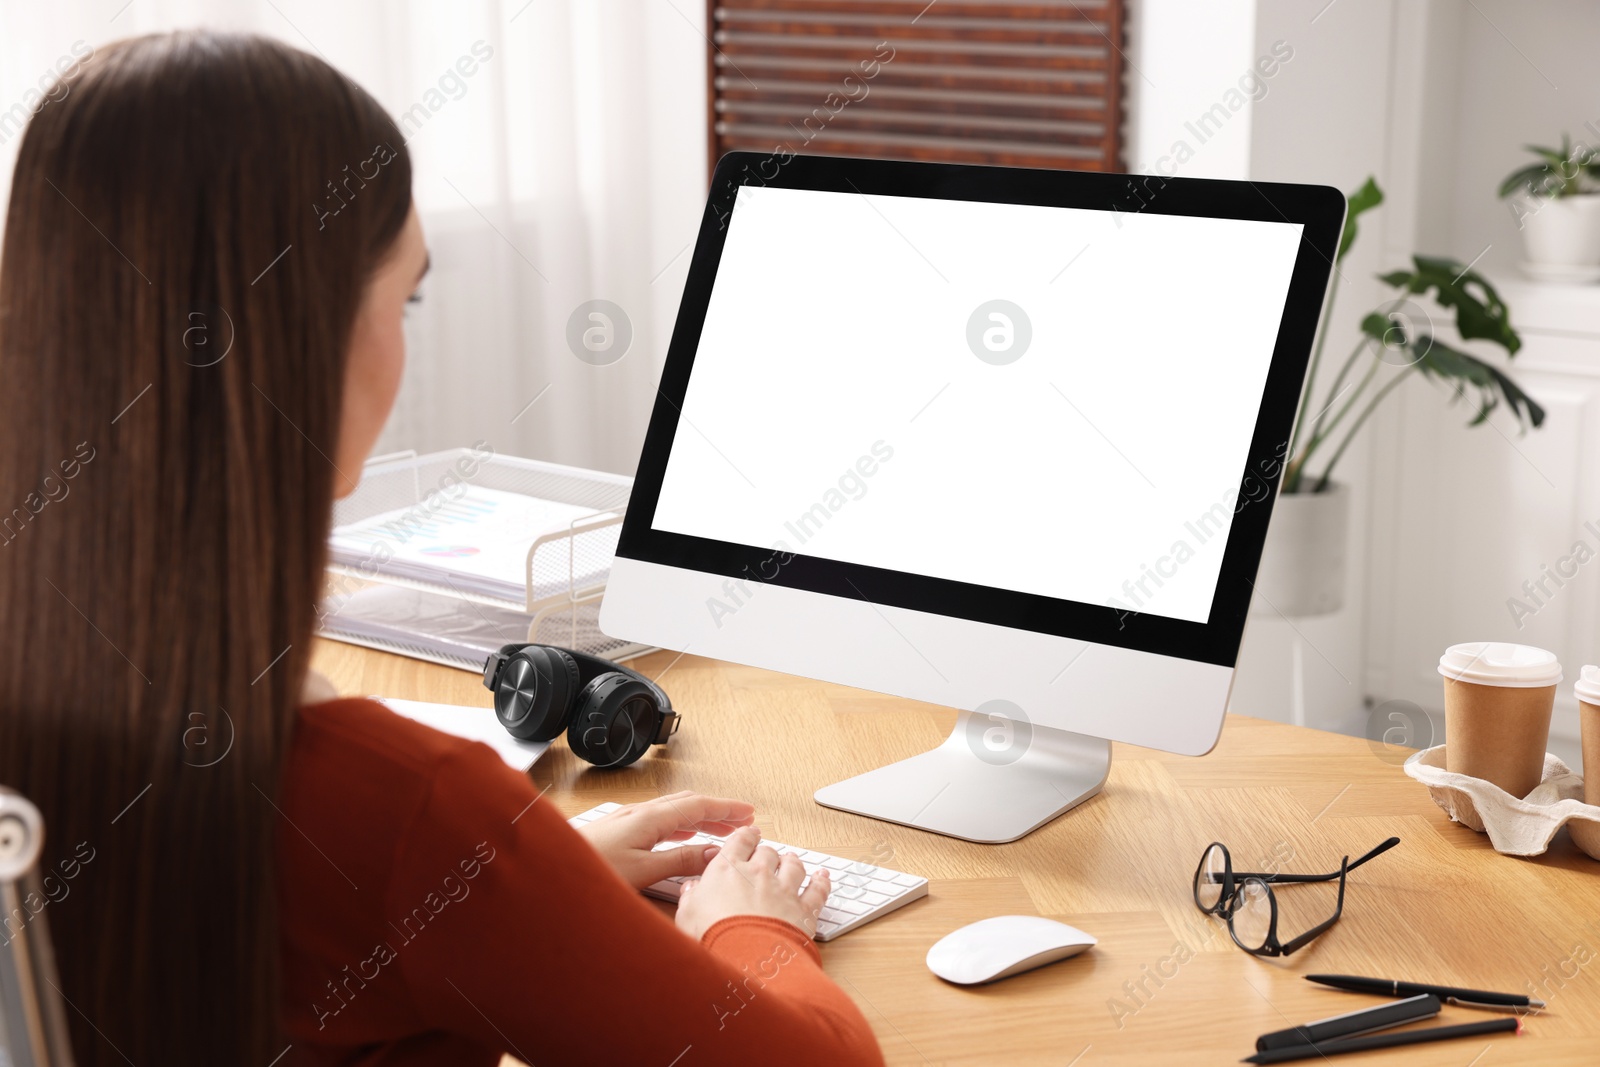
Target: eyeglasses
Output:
{"points": [[1246, 900]]}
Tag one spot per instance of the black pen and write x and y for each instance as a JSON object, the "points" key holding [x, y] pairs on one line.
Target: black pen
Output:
{"points": [[1403, 1037], [1383, 1016], [1466, 998]]}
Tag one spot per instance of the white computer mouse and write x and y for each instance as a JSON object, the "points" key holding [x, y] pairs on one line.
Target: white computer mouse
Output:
{"points": [[991, 949]]}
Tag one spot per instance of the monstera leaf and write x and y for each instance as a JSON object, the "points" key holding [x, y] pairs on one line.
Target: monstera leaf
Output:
{"points": [[1480, 313], [1404, 337], [1481, 318], [1362, 200], [1488, 386]]}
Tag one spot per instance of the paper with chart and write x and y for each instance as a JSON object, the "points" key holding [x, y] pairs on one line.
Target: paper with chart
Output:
{"points": [[477, 541]]}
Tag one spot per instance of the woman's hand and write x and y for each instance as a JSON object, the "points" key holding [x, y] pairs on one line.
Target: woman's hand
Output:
{"points": [[626, 836], [748, 878]]}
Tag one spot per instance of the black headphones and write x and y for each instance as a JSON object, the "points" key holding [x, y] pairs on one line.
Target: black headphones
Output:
{"points": [[611, 715]]}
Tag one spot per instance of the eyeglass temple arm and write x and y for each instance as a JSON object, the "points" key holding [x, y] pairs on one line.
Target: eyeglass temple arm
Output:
{"points": [[1306, 938], [1380, 850], [1285, 878]]}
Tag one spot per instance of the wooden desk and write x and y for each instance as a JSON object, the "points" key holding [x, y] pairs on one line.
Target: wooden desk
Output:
{"points": [[1165, 984]]}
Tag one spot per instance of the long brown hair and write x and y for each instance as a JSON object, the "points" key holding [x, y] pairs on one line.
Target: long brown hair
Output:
{"points": [[192, 225]]}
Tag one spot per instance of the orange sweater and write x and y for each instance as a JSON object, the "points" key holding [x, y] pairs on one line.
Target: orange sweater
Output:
{"points": [[434, 911]]}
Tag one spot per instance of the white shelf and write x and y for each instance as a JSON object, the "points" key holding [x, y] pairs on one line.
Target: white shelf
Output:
{"points": [[1550, 307]]}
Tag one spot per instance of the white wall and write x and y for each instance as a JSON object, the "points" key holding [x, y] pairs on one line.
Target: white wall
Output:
{"points": [[1324, 120], [1526, 73], [1185, 59]]}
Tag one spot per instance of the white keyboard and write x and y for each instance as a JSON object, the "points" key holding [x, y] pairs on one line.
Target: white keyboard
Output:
{"points": [[861, 892]]}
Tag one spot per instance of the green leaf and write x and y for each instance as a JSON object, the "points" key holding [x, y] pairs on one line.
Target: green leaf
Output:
{"points": [[1480, 313], [1375, 326], [1559, 175], [1488, 384], [1552, 156], [1531, 178], [1362, 200]]}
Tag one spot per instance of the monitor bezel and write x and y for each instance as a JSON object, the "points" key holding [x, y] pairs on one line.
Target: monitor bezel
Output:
{"points": [[1318, 209]]}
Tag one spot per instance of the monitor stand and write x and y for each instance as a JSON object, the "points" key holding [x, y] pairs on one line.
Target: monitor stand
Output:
{"points": [[966, 789]]}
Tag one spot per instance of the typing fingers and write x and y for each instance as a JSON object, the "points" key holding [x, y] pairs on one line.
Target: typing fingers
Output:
{"points": [[791, 872], [815, 896], [741, 844], [764, 860]]}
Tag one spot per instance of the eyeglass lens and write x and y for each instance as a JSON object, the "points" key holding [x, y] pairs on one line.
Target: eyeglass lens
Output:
{"points": [[1252, 915], [1208, 878]]}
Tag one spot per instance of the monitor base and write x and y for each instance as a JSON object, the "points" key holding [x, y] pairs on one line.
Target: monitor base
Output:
{"points": [[974, 790]]}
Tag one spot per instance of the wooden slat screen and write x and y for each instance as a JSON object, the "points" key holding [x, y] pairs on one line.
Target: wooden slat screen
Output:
{"points": [[968, 81]]}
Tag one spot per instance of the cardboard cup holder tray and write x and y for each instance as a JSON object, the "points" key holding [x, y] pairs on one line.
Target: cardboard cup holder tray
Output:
{"points": [[1516, 826]]}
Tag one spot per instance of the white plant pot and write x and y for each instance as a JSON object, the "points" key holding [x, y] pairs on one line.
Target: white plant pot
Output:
{"points": [[1302, 565], [1561, 238]]}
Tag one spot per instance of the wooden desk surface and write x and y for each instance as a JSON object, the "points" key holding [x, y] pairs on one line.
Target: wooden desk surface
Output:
{"points": [[1165, 984]]}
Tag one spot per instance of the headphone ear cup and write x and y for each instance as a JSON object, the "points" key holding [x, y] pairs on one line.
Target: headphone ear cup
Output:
{"points": [[614, 720], [534, 697]]}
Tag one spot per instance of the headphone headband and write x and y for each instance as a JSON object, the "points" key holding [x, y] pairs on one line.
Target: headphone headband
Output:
{"points": [[589, 667]]}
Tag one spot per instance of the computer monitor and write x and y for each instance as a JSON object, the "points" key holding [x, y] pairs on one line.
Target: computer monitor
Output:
{"points": [[1003, 440]]}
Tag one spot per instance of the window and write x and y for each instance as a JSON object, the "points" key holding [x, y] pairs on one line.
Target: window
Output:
{"points": [[967, 81]]}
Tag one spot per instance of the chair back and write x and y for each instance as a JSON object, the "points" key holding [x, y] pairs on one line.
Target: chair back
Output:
{"points": [[33, 1025]]}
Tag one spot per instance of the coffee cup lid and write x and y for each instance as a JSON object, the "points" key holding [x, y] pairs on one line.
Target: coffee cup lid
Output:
{"points": [[1500, 663], [1587, 687]]}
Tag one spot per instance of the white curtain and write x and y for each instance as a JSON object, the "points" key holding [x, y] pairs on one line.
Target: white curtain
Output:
{"points": [[560, 152]]}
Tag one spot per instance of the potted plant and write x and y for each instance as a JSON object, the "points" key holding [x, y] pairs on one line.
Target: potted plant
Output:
{"points": [[1554, 203], [1302, 569]]}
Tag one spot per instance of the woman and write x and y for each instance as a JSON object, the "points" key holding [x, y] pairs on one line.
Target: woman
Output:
{"points": [[208, 252]]}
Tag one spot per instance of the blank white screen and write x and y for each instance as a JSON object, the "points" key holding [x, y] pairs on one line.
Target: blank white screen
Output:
{"points": [[1100, 466]]}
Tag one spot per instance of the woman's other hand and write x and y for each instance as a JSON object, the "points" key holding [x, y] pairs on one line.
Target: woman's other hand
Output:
{"points": [[748, 878]]}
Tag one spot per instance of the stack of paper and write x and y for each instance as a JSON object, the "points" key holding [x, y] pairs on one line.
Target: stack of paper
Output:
{"points": [[477, 541], [441, 626]]}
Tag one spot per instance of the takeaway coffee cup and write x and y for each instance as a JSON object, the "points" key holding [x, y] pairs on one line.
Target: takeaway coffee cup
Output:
{"points": [[1585, 834], [1587, 691], [1497, 702]]}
